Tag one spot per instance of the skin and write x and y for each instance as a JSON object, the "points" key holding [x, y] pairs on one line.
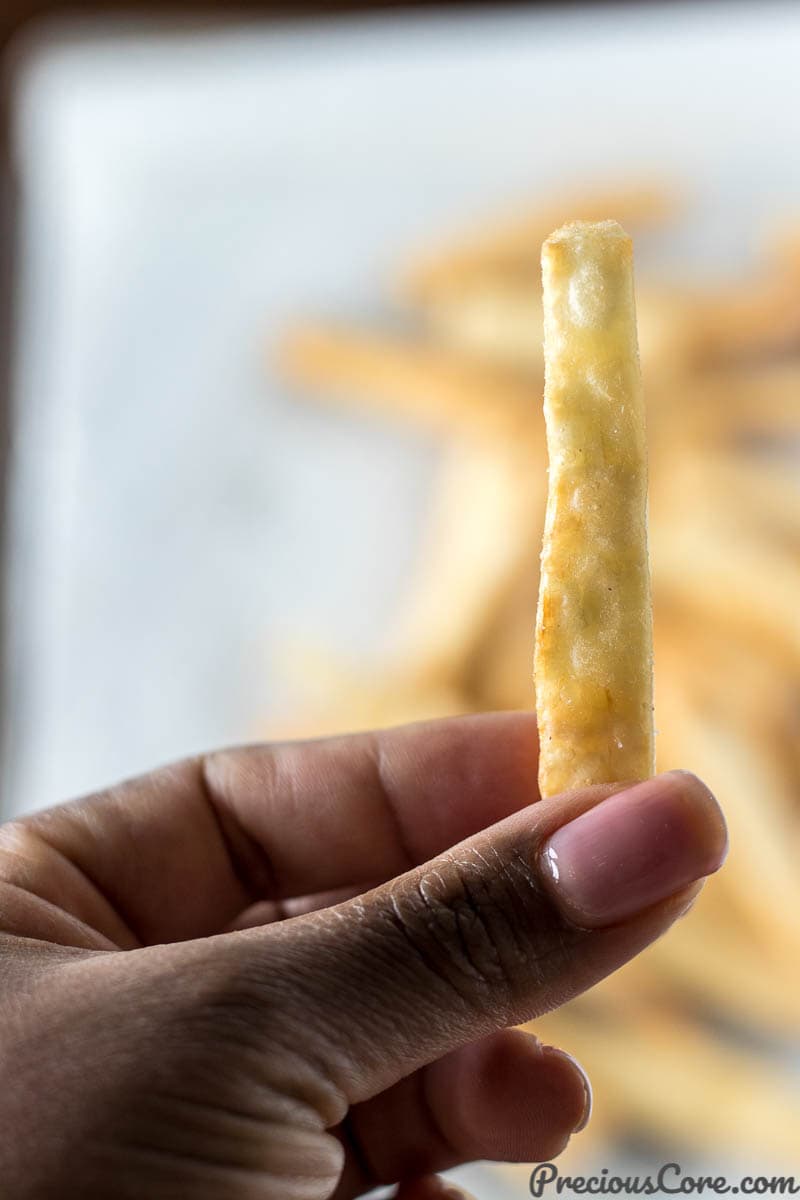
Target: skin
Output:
{"points": [[285, 972]]}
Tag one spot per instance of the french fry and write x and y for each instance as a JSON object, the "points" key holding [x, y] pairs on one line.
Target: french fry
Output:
{"points": [[708, 566], [593, 658], [697, 328], [487, 516], [754, 320], [746, 409], [502, 665], [710, 965], [425, 383], [780, 243], [491, 321], [647, 1066], [760, 878], [763, 492], [509, 245]]}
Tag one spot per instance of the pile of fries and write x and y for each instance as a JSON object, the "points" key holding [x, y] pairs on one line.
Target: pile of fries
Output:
{"points": [[684, 1045]]}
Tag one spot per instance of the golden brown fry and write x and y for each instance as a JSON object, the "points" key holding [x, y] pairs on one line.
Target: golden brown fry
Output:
{"points": [[718, 969], [712, 963], [423, 382], [752, 320], [760, 878], [593, 665], [763, 492], [749, 412], [780, 244], [662, 1075], [491, 320], [710, 567], [501, 676], [510, 245], [487, 516], [745, 685]]}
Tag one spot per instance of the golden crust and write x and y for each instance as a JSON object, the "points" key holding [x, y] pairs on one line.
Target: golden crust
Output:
{"points": [[593, 658]]}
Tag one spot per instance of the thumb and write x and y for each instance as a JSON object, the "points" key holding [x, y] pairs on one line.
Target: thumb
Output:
{"points": [[506, 925]]}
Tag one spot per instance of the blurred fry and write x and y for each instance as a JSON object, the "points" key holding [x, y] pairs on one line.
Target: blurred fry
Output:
{"points": [[722, 388], [511, 245]]}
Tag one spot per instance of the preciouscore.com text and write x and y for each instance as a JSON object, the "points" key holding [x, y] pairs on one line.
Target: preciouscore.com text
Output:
{"points": [[669, 1179]]}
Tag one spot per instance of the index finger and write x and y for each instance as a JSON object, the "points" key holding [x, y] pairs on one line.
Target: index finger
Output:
{"points": [[180, 853]]}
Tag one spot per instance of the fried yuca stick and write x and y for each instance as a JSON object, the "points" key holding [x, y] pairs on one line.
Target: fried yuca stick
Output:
{"points": [[593, 657]]}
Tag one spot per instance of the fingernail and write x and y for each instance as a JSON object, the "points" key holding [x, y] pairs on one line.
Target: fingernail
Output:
{"points": [[583, 1120], [454, 1193], [635, 848]]}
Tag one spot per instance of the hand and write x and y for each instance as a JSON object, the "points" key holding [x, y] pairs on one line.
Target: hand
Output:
{"points": [[233, 979]]}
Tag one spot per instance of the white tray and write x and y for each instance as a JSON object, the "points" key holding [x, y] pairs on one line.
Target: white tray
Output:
{"points": [[175, 516]]}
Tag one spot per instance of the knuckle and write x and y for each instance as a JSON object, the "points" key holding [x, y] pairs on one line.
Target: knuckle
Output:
{"points": [[480, 922]]}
